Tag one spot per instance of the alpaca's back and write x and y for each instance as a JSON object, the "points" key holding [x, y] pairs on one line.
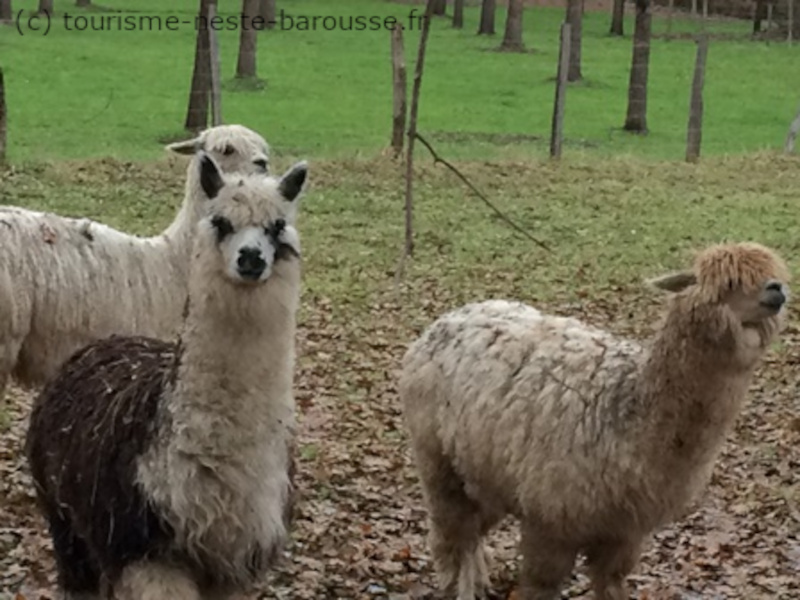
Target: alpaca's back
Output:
{"points": [[74, 421], [127, 285], [512, 399]]}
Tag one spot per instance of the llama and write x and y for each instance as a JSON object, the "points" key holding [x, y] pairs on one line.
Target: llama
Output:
{"points": [[590, 440], [66, 282], [164, 468]]}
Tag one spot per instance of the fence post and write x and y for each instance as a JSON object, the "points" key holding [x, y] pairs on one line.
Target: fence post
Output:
{"points": [[3, 121], [556, 136], [695, 131]]}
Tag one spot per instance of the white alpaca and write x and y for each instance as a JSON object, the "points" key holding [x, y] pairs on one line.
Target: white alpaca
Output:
{"points": [[163, 469], [66, 282], [590, 440]]}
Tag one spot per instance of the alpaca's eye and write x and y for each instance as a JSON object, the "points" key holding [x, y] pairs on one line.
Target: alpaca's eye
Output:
{"points": [[276, 228], [228, 150], [223, 226]]}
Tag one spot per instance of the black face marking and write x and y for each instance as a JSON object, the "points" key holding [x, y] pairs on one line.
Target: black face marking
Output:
{"points": [[261, 163], [223, 227], [282, 251]]}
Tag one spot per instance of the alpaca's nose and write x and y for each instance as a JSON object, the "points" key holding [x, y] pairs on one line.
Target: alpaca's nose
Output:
{"points": [[774, 295], [250, 263]]}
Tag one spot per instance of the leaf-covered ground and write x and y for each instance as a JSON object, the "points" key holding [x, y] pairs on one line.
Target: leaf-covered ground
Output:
{"points": [[360, 525]]}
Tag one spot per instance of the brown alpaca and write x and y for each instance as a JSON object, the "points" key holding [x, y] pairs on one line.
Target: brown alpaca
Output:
{"points": [[591, 440]]}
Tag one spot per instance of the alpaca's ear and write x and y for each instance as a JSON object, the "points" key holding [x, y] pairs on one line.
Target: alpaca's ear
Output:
{"points": [[293, 180], [674, 282], [210, 177], [185, 147]]}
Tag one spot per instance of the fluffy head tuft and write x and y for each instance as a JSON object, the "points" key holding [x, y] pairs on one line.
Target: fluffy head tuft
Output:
{"points": [[745, 266]]}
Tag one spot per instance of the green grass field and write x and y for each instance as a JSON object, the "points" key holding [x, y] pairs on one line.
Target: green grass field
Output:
{"points": [[74, 94]]}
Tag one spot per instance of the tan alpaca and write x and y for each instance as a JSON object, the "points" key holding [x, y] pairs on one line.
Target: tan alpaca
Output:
{"points": [[590, 440], [163, 469], [66, 282]]}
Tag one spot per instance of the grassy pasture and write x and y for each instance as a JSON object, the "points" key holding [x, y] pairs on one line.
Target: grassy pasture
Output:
{"points": [[77, 94]]}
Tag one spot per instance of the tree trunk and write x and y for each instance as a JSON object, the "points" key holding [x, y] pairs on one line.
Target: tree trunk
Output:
{"points": [[5, 10], [268, 12], [458, 14], [759, 12], [197, 113], [574, 18], [2, 119], [83, 3], [45, 6], [487, 18], [400, 91], [636, 119], [246, 65], [512, 40], [618, 18], [439, 7]]}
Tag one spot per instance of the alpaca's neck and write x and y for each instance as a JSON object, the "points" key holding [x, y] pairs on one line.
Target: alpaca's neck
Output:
{"points": [[692, 385], [180, 232], [234, 381]]}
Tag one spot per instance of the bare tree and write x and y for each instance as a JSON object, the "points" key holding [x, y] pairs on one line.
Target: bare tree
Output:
{"points": [[618, 18], [399, 90], [458, 14], [486, 26], [268, 12], [574, 18], [2, 118], [512, 40], [439, 7], [197, 113], [636, 119], [5, 10], [45, 7], [248, 37], [83, 3]]}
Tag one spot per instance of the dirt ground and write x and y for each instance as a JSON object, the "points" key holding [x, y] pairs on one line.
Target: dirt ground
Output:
{"points": [[359, 529]]}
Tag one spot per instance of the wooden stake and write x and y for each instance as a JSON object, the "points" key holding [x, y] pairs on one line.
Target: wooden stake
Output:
{"points": [[3, 118], [557, 133], [412, 128], [695, 130], [399, 90]]}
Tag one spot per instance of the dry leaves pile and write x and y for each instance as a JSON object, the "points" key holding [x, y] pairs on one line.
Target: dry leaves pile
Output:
{"points": [[359, 529], [360, 525]]}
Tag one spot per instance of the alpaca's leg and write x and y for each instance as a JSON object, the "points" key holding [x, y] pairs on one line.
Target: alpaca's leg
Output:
{"points": [[9, 357], [609, 565], [78, 574], [482, 583], [546, 563], [455, 529], [155, 581]]}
